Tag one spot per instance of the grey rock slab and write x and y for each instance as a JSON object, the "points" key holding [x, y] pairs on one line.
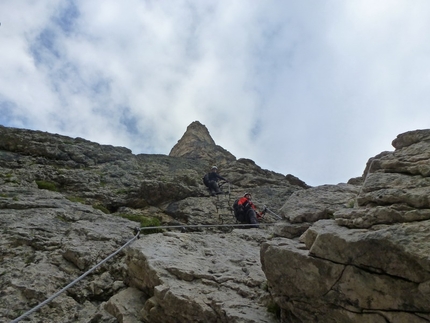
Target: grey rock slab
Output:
{"points": [[318, 202], [401, 250], [201, 277]]}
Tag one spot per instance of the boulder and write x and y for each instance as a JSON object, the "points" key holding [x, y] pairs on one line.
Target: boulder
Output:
{"points": [[320, 202], [126, 305], [201, 277]]}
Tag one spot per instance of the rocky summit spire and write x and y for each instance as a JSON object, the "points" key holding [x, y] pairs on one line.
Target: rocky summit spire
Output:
{"points": [[198, 143]]}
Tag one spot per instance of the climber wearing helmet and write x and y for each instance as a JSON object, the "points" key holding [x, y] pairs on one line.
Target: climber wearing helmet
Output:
{"points": [[212, 179], [247, 212]]}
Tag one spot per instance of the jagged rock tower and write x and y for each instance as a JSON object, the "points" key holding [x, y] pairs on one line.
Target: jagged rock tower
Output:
{"points": [[198, 143]]}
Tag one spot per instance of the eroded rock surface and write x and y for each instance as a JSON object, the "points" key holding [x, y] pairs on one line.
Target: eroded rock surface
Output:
{"points": [[47, 242], [319, 202], [65, 205], [369, 261], [197, 143], [356, 252], [201, 277]]}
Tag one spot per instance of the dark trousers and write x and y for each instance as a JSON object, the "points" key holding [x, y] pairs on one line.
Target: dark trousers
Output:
{"points": [[213, 187], [249, 217]]}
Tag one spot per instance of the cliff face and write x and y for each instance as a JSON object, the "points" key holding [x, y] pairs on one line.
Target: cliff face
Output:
{"points": [[354, 252], [65, 204], [369, 262]]}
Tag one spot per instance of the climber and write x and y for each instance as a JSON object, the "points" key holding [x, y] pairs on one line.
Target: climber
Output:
{"points": [[246, 212], [211, 181]]}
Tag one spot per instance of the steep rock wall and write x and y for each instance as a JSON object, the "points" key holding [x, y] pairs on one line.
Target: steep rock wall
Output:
{"points": [[368, 262], [65, 205]]}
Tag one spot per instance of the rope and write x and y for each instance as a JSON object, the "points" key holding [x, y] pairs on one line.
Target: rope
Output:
{"points": [[75, 281], [205, 226]]}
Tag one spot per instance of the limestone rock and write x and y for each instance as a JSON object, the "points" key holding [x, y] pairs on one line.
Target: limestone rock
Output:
{"points": [[64, 205], [64, 150], [400, 257], [296, 181], [47, 241], [319, 202], [411, 156], [113, 178], [291, 230], [197, 143], [314, 289], [201, 277], [411, 137], [126, 305], [396, 186], [369, 261], [354, 252], [366, 217]]}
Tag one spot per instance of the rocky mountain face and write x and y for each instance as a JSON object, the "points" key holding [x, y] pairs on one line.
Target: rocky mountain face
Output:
{"points": [[368, 262], [352, 252], [197, 143], [67, 203]]}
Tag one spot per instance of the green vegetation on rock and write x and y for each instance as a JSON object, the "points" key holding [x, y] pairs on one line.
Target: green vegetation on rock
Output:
{"points": [[144, 222], [45, 185]]}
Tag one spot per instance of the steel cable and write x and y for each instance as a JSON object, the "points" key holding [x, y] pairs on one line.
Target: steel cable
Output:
{"points": [[138, 230]]}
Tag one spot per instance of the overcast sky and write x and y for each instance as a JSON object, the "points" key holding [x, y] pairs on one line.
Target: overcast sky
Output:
{"points": [[310, 88]]}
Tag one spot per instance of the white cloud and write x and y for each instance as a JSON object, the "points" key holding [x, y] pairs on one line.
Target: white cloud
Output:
{"points": [[308, 88]]}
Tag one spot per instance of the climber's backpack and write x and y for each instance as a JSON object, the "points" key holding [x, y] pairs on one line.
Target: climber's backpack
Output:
{"points": [[236, 209], [206, 179]]}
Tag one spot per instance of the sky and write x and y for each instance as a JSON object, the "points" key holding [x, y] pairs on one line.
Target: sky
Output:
{"points": [[309, 88]]}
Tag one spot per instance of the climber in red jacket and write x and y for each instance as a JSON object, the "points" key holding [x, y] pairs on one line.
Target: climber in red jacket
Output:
{"points": [[247, 212]]}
